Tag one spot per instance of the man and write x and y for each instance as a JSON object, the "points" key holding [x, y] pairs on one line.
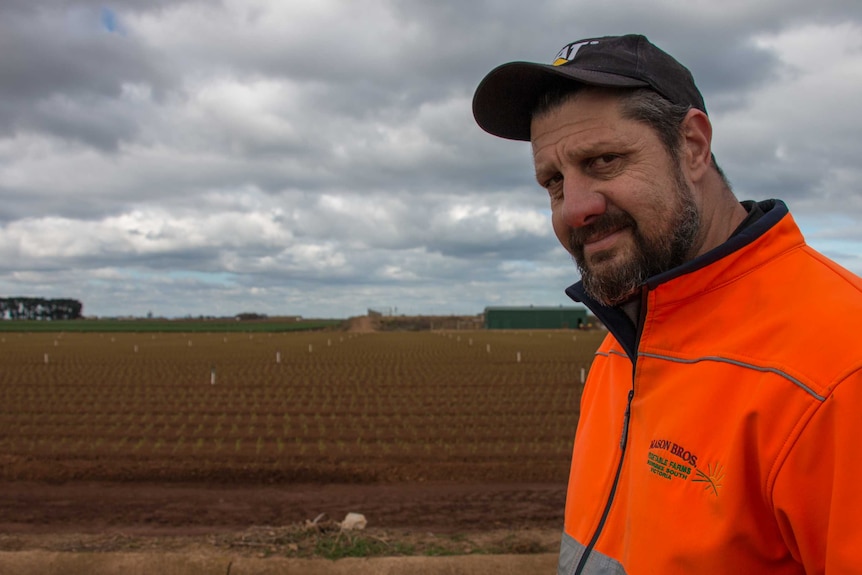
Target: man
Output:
{"points": [[720, 425]]}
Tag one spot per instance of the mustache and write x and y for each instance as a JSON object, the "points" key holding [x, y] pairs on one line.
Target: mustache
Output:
{"points": [[603, 225]]}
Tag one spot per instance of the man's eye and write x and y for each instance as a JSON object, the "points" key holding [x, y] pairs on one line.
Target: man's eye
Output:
{"points": [[553, 180], [554, 185], [604, 160]]}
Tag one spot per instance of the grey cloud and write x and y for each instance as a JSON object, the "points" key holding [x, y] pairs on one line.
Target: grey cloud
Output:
{"points": [[345, 135]]}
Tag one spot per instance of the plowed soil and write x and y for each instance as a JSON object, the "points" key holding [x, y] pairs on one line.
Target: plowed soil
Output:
{"points": [[448, 443], [178, 509], [139, 523]]}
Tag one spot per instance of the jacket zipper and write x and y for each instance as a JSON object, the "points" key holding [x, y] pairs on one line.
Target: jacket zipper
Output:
{"points": [[623, 441]]}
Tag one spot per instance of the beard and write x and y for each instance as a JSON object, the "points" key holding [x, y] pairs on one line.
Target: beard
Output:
{"points": [[670, 246]]}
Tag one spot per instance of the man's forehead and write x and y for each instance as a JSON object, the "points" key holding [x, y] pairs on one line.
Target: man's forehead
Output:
{"points": [[585, 128]]}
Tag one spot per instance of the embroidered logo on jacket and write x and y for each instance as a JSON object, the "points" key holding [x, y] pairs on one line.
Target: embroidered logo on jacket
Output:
{"points": [[672, 461], [712, 478]]}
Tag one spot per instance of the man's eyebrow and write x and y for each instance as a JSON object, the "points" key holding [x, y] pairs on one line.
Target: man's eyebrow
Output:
{"points": [[543, 170], [597, 148], [578, 152]]}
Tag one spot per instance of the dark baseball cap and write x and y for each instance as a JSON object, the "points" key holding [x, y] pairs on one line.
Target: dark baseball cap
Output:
{"points": [[504, 101]]}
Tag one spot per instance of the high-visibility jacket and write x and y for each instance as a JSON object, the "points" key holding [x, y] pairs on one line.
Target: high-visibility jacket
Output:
{"points": [[722, 433]]}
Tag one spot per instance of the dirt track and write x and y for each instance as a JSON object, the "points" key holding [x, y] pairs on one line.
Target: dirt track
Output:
{"points": [[166, 509], [43, 563]]}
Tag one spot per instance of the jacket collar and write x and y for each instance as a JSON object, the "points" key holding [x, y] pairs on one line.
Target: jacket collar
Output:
{"points": [[734, 258]]}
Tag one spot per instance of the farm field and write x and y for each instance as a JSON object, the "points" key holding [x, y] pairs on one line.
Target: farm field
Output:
{"points": [[426, 428]]}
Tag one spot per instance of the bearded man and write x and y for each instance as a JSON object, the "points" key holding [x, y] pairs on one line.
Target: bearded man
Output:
{"points": [[717, 433]]}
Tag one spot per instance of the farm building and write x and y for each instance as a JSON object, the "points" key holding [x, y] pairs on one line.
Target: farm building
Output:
{"points": [[535, 317]]}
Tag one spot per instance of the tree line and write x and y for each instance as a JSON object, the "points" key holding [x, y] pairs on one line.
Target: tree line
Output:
{"points": [[38, 308]]}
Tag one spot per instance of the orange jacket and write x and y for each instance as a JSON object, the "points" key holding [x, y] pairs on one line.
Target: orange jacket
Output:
{"points": [[731, 443]]}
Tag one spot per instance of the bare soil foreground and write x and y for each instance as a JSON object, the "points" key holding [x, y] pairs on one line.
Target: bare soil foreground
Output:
{"points": [[116, 527]]}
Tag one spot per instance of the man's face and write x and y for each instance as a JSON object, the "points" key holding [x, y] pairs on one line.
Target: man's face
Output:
{"points": [[621, 205]]}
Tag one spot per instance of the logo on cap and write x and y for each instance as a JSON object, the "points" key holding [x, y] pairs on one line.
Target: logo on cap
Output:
{"points": [[567, 54]]}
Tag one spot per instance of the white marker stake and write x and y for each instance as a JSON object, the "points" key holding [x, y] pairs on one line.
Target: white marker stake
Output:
{"points": [[583, 375], [488, 348], [278, 357], [309, 348], [519, 357], [46, 359], [212, 376]]}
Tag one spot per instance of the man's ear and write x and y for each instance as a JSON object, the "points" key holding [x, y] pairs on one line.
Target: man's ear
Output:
{"points": [[697, 143]]}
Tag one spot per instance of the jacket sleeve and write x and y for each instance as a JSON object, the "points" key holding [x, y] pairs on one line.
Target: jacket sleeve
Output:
{"points": [[817, 493]]}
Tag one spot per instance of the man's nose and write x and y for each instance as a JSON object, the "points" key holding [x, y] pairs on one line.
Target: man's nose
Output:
{"points": [[581, 203]]}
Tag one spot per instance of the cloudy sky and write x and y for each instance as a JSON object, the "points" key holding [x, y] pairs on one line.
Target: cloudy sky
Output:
{"points": [[319, 157]]}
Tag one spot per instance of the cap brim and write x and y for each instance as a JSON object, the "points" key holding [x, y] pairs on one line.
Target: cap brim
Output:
{"points": [[505, 98]]}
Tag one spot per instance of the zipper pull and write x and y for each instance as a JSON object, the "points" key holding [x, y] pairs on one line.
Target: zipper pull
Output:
{"points": [[628, 412]]}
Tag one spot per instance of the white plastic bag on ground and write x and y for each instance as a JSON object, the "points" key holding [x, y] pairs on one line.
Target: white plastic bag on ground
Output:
{"points": [[354, 521]]}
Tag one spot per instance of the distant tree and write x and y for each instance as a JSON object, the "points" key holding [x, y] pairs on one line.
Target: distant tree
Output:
{"points": [[249, 316], [35, 308]]}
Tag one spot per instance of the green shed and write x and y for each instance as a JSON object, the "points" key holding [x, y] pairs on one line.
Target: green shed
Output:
{"points": [[534, 317]]}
